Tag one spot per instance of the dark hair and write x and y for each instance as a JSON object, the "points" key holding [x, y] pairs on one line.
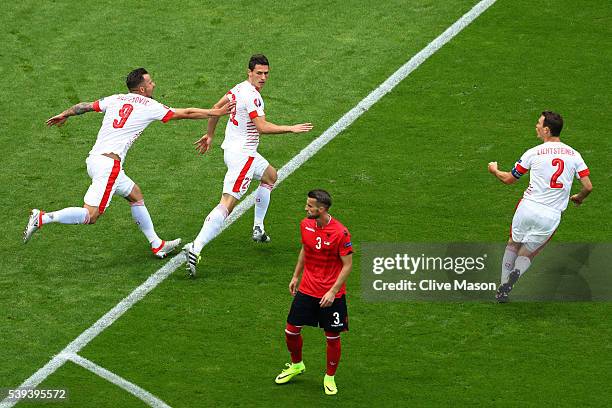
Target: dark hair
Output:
{"points": [[322, 197], [135, 78], [553, 121], [257, 59]]}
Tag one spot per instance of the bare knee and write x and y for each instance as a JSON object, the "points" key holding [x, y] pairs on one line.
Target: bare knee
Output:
{"points": [[94, 213], [135, 195], [229, 202], [523, 251], [514, 245], [270, 176]]}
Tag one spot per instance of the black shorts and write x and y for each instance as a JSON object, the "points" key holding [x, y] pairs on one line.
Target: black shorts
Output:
{"points": [[306, 311]]}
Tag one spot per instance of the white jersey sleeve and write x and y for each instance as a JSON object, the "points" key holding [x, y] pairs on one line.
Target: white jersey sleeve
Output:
{"points": [[553, 166], [254, 104], [101, 104], [581, 168], [158, 111], [523, 164]]}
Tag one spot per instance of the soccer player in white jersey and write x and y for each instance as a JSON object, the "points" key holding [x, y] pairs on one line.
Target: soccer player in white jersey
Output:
{"points": [[125, 118], [553, 166], [246, 122]]}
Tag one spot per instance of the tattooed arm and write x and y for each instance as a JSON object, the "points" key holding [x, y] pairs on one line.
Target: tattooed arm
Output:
{"points": [[78, 109]]}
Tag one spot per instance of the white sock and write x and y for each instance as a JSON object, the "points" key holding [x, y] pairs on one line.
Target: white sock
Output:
{"points": [[70, 215], [522, 263], [141, 217], [262, 202], [508, 263], [211, 228]]}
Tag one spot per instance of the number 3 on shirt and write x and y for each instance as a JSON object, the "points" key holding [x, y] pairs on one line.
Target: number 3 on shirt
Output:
{"points": [[124, 114], [318, 245], [553, 180]]}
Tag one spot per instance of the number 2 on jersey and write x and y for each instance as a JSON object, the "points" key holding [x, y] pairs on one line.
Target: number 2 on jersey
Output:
{"points": [[553, 180], [124, 114]]}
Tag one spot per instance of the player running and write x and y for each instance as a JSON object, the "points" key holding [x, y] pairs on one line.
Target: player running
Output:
{"points": [[326, 260], [246, 122], [125, 118], [553, 166]]}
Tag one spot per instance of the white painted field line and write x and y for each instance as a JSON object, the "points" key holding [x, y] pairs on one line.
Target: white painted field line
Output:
{"points": [[247, 203], [367, 102], [109, 318], [148, 398]]}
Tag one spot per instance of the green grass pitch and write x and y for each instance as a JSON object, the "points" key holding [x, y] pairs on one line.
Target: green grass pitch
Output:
{"points": [[412, 169]]}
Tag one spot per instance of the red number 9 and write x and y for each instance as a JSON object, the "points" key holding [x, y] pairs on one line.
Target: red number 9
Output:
{"points": [[124, 114]]}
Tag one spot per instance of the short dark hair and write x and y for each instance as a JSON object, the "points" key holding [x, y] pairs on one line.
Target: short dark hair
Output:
{"points": [[322, 197], [553, 121], [135, 78], [257, 59]]}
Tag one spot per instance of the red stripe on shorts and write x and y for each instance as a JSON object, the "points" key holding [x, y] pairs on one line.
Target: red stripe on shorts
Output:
{"points": [[243, 173], [109, 185]]}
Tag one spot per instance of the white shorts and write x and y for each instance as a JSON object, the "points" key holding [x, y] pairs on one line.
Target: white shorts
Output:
{"points": [[107, 178], [534, 224], [242, 168]]}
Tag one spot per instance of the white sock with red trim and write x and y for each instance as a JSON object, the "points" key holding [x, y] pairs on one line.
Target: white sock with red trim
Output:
{"points": [[141, 217], [508, 263], [262, 202], [70, 215], [211, 228], [522, 263]]}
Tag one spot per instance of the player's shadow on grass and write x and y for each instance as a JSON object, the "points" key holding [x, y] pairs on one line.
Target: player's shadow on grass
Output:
{"points": [[561, 274]]}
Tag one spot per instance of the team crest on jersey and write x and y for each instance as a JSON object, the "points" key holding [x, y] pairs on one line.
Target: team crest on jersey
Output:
{"points": [[257, 102]]}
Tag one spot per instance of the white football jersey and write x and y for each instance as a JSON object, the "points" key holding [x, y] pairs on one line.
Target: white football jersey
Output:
{"points": [[553, 167], [240, 132], [125, 118]]}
